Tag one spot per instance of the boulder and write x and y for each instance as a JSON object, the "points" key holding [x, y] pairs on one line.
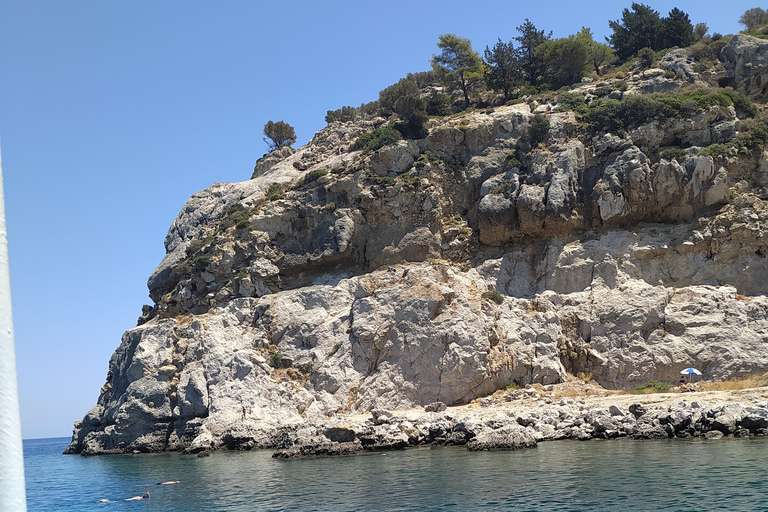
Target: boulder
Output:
{"points": [[509, 437], [745, 59]]}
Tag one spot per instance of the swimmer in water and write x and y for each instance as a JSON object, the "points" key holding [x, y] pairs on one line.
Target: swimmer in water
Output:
{"points": [[169, 483], [145, 497]]}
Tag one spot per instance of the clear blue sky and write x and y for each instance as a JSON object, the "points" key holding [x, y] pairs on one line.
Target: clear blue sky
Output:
{"points": [[113, 113]]}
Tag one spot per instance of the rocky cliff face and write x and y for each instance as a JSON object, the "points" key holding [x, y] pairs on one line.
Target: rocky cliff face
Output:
{"points": [[443, 269]]}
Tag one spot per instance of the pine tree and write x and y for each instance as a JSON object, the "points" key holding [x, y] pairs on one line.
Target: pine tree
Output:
{"points": [[502, 68], [458, 64], [677, 30], [531, 38]]}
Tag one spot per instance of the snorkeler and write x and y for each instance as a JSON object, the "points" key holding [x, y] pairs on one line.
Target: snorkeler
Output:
{"points": [[145, 497]]}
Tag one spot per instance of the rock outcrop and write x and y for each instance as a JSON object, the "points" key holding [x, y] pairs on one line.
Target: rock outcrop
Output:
{"points": [[435, 272], [746, 60]]}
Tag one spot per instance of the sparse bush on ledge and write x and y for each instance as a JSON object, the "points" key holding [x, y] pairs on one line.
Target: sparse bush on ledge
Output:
{"points": [[493, 296], [237, 215], [312, 176], [673, 154], [275, 191], [538, 130]]}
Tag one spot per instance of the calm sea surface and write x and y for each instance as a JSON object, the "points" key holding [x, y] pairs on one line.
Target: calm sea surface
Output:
{"points": [[684, 475]]}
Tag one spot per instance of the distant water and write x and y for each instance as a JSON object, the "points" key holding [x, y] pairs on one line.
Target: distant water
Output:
{"points": [[677, 475]]}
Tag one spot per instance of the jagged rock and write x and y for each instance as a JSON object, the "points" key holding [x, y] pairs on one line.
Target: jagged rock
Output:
{"points": [[318, 448], [266, 162], [505, 438], [680, 61], [746, 61], [435, 407], [755, 419]]}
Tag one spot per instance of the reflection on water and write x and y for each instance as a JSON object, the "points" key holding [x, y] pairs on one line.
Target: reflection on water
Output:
{"points": [[684, 475]]}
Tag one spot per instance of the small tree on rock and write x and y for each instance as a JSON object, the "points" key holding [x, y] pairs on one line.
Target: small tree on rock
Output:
{"points": [[458, 64], [502, 68], [638, 28], [529, 39], [278, 135], [677, 30], [753, 18], [566, 59]]}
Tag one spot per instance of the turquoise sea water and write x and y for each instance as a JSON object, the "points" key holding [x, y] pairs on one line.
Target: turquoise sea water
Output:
{"points": [[679, 475]]}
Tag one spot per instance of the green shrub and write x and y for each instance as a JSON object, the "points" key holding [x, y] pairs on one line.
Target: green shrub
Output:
{"points": [[413, 181], [538, 129], [673, 154], [146, 309], [275, 191], [493, 296], [646, 57], [378, 138], [572, 102], [198, 245], [512, 161], [505, 189], [616, 116], [438, 104], [653, 385], [754, 133], [513, 385], [196, 255], [389, 96], [384, 181], [422, 161], [313, 176], [705, 52], [330, 207], [715, 150], [276, 358], [343, 114], [604, 90], [237, 215]]}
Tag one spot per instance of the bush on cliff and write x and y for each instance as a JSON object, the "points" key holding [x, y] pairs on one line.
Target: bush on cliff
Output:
{"points": [[312, 176], [343, 114], [275, 191], [237, 215], [538, 129], [378, 138], [493, 296], [617, 116]]}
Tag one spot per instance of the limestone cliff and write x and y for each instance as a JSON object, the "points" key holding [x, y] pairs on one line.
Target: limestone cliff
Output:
{"points": [[446, 268]]}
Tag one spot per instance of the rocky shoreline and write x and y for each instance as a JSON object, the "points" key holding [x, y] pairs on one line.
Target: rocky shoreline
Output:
{"points": [[522, 418]]}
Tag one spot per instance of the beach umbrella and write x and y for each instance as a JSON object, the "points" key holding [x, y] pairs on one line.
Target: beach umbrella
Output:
{"points": [[690, 371]]}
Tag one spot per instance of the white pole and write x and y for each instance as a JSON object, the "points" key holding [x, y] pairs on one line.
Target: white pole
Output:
{"points": [[12, 490]]}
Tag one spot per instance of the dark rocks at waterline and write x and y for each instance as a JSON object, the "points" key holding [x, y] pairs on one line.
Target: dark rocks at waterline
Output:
{"points": [[318, 448], [499, 428]]}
